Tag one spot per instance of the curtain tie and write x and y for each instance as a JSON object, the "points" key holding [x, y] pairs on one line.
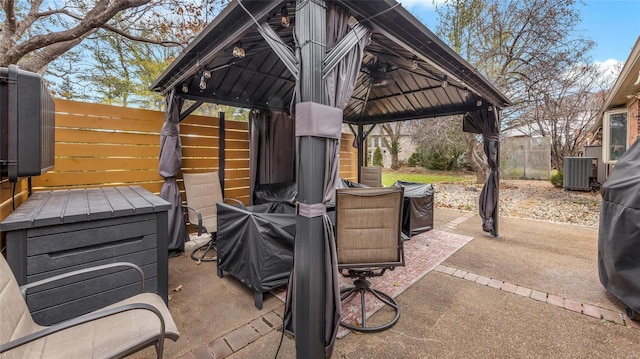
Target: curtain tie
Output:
{"points": [[312, 210]]}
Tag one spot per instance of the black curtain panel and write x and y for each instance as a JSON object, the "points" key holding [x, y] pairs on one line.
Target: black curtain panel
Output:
{"points": [[170, 163], [485, 122]]}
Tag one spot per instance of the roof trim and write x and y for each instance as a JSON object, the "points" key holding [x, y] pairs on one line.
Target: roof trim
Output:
{"points": [[500, 100], [175, 72], [632, 61]]}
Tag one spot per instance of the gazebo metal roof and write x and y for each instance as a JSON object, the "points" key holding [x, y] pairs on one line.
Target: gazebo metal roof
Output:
{"points": [[407, 72]]}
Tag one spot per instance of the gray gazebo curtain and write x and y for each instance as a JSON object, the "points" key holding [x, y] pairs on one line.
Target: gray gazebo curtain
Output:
{"points": [[486, 122], [339, 86], [169, 166], [271, 149]]}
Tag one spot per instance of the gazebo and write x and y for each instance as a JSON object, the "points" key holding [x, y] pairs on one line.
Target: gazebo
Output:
{"points": [[323, 63]]}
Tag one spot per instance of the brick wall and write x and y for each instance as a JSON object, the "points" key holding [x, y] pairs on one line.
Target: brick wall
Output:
{"points": [[634, 121]]}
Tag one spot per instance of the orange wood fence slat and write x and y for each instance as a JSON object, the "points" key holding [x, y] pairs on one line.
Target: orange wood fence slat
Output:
{"points": [[100, 145]]}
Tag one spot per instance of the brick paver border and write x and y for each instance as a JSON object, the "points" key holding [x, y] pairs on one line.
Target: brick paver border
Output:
{"points": [[590, 310], [238, 338]]}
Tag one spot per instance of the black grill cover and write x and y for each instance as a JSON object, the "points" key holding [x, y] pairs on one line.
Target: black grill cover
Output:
{"points": [[619, 234], [255, 244]]}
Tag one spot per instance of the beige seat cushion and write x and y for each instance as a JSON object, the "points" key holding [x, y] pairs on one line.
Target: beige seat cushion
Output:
{"points": [[100, 338], [368, 225], [203, 192], [371, 176], [104, 337]]}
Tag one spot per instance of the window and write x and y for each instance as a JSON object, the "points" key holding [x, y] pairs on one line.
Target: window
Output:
{"points": [[376, 141], [614, 136]]}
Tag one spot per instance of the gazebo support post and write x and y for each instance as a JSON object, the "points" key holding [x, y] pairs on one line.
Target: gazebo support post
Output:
{"points": [[310, 284], [222, 136], [496, 213], [360, 138]]}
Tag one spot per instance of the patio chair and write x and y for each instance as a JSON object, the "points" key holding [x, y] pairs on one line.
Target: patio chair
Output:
{"points": [[112, 332], [203, 191], [371, 176], [369, 242]]}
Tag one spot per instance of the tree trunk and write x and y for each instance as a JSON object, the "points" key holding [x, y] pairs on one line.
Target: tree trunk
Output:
{"points": [[393, 142], [477, 163]]}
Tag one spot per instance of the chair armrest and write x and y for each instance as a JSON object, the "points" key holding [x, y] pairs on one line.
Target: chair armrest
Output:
{"points": [[24, 288], [201, 228], [234, 201], [81, 320]]}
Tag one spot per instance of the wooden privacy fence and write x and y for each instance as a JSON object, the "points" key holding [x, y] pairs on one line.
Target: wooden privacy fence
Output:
{"points": [[99, 145]]}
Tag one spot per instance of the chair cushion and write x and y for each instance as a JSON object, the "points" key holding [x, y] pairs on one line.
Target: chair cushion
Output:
{"points": [[371, 176], [106, 337], [203, 191], [15, 319], [368, 225]]}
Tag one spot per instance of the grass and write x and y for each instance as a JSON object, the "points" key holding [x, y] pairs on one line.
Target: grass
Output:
{"points": [[389, 177]]}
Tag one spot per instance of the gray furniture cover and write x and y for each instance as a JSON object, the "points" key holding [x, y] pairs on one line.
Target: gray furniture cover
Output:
{"points": [[275, 192], [618, 239], [417, 208], [255, 244]]}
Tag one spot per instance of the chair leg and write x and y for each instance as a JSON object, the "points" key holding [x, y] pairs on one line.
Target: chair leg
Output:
{"points": [[160, 348], [362, 287], [258, 298], [205, 249], [220, 273]]}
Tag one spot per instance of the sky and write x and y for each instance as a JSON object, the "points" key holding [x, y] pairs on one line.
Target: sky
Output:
{"points": [[614, 25]]}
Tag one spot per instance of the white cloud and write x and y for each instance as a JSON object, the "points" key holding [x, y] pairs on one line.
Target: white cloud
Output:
{"points": [[610, 70]]}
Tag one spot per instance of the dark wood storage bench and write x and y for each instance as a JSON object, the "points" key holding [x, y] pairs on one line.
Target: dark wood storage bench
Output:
{"points": [[54, 232]]}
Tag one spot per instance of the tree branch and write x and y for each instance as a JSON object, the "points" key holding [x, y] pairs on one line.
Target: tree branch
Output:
{"points": [[40, 59], [9, 28], [95, 18], [139, 38], [130, 36], [29, 19]]}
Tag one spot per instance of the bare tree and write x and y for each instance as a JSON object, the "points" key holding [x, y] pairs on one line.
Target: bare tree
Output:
{"points": [[392, 141], [28, 38], [441, 137], [564, 110], [518, 45]]}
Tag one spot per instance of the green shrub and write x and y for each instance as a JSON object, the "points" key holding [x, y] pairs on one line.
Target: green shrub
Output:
{"points": [[557, 179], [414, 160], [439, 161], [377, 157]]}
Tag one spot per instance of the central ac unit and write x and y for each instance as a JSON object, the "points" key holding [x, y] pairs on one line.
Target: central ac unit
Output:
{"points": [[580, 173]]}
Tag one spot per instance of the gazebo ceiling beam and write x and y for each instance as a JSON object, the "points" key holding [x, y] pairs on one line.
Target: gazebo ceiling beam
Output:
{"points": [[190, 110], [449, 111], [402, 94], [227, 101], [366, 98], [429, 74]]}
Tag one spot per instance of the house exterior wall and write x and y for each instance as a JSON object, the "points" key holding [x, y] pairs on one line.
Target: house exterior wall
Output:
{"points": [[407, 148], [633, 115]]}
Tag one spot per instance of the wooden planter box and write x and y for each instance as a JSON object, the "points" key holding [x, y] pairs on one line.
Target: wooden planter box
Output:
{"points": [[54, 232]]}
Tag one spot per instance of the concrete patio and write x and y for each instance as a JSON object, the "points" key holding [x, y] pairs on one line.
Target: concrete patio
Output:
{"points": [[533, 292]]}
